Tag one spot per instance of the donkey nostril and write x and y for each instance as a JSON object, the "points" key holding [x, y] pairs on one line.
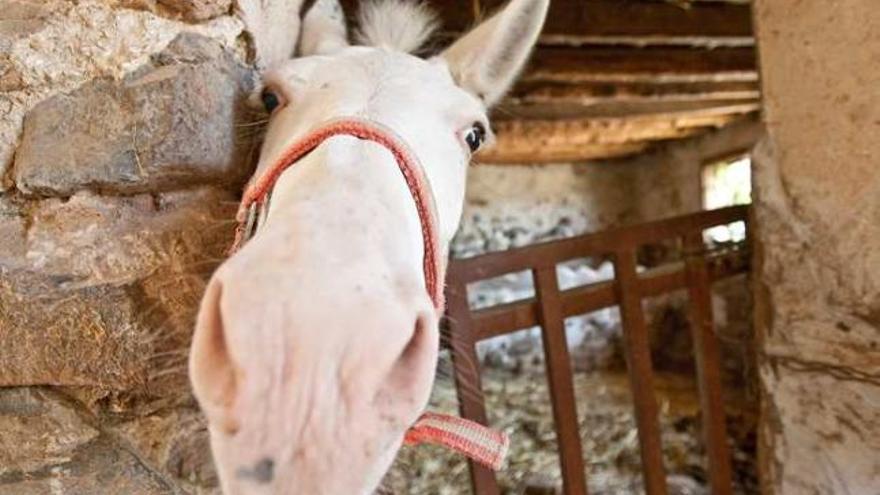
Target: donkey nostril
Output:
{"points": [[412, 373], [414, 348], [213, 372]]}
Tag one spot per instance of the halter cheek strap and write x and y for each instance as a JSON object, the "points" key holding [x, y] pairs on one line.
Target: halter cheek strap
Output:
{"points": [[474, 440]]}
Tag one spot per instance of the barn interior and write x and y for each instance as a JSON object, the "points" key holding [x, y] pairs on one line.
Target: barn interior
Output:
{"points": [[122, 161], [628, 113]]}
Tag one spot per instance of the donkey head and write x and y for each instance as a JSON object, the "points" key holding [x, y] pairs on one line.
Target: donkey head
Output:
{"points": [[316, 343]]}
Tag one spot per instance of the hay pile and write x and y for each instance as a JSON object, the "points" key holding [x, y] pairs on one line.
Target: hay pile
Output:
{"points": [[519, 403]]}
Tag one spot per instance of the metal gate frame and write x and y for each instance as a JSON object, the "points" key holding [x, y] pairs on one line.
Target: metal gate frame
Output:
{"points": [[550, 306]]}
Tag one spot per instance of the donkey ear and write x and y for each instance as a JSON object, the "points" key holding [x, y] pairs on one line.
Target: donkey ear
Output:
{"points": [[274, 28], [487, 60], [323, 29]]}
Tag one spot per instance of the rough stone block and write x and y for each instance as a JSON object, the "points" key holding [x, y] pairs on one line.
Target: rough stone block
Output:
{"points": [[12, 232], [198, 10], [106, 292], [170, 124], [51, 47], [19, 18], [38, 431], [176, 443], [99, 468]]}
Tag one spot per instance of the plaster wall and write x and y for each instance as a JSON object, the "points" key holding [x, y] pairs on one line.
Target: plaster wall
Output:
{"points": [[818, 215]]}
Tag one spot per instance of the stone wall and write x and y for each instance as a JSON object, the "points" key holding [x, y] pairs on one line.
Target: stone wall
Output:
{"points": [[818, 212], [122, 145], [515, 205]]}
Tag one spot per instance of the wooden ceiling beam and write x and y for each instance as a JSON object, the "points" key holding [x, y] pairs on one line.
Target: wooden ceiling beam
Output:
{"points": [[648, 64], [575, 140], [535, 92], [618, 108], [580, 21], [563, 154]]}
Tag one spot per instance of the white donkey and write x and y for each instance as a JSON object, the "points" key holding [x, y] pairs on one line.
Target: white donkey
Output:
{"points": [[316, 343]]}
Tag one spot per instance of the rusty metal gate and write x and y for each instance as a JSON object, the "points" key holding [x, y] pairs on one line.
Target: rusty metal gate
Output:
{"points": [[699, 267]]}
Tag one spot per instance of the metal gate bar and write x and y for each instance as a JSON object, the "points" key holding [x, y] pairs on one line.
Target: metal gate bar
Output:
{"points": [[708, 359], [468, 385], [637, 349], [559, 378], [550, 307]]}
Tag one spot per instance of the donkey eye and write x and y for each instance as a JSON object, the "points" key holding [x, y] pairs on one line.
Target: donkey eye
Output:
{"points": [[270, 100], [475, 137]]}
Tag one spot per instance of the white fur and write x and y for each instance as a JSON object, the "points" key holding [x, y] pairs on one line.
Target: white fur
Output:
{"points": [[323, 30], [273, 26], [396, 24], [487, 60]]}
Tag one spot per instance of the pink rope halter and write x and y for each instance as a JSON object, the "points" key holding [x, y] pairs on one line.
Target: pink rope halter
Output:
{"points": [[474, 440]]}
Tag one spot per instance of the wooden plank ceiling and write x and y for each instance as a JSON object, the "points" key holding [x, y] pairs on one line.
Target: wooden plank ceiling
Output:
{"points": [[612, 78]]}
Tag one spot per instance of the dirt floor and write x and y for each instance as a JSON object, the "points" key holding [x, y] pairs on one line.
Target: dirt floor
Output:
{"points": [[519, 403]]}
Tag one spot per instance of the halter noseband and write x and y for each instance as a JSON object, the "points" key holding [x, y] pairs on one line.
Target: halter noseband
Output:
{"points": [[255, 202], [486, 446]]}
